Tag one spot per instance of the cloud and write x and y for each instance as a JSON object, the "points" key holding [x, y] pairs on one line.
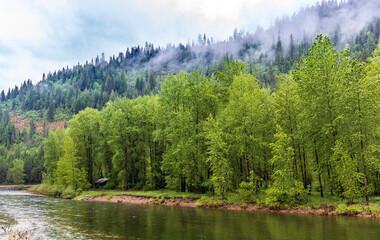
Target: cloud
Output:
{"points": [[45, 35], [219, 18]]}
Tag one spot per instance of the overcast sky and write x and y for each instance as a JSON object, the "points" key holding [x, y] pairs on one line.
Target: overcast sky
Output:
{"points": [[38, 36]]}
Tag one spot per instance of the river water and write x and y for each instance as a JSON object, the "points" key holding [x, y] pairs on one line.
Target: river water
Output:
{"points": [[52, 218]]}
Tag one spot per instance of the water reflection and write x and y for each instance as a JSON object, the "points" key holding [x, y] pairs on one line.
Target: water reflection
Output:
{"points": [[52, 218]]}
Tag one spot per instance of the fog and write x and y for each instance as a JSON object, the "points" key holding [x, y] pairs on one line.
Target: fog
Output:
{"points": [[339, 20]]}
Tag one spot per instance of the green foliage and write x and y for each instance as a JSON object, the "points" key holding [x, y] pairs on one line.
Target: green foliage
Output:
{"points": [[185, 100], [51, 111], [153, 194], [22, 187], [43, 188], [16, 173], [248, 190], [343, 209], [53, 149], [68, 174], [69, 193], [55, 190], [84, 131], [209, 202], [284, 187], [230, 69], [217, 151], [351, 181], [161, 199]]}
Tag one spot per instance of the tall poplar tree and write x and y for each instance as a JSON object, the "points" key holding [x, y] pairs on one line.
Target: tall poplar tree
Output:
{"points": [[319, 76]]}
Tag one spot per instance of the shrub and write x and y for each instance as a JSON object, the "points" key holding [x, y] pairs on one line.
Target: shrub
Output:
{"points": [[161, 199], [246, 191], [277, 196], [272, 202], [327, 207], [343, 209], [55, 190], [22, 187], [44, 188], [209, 202], [69, 193], [148, 187]]}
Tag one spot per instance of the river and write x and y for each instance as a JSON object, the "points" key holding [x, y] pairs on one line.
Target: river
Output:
{"points": [[52, 218]]}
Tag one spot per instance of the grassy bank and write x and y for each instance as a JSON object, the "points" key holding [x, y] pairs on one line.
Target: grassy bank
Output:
{"points": [[14, 187], [312, 204], [69, 193], [338, 206], [151, 194]]}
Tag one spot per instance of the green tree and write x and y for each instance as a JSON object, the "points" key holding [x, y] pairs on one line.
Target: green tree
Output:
{"points": [[287, 108], [51, 111], [68, 172], [359, 123], [246, 126], [279, 60], [319, 77], [53, 149], [32, 128], [350, 180], [217, 157], [120, 143], [16, 173], [184, 104], [225, 76], [284, 187], [85, 134]]}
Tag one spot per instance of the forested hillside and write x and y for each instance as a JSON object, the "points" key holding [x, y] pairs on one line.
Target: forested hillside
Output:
{"points": [[316, 131], [141, 70], [191, 118]]}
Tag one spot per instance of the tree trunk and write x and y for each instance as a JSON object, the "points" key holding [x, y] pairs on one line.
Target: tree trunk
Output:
{"points": [[126, 168], [183, 184], [362, 152], [364, 170], [304, 163], [319, 174]]}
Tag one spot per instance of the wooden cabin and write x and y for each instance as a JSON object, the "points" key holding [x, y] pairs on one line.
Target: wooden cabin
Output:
{"points": [[101, 182]]}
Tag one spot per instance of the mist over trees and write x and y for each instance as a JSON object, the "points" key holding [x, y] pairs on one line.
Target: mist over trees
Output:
{"points": [[141, 70]]}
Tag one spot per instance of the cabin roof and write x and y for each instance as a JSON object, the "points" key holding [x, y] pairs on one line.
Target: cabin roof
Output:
{"points": [[101, 180]]}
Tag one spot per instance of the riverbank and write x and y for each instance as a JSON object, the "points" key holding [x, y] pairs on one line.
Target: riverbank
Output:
{"points": [[55, 218], [13, 187], [315, 205], [178, 201]]}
